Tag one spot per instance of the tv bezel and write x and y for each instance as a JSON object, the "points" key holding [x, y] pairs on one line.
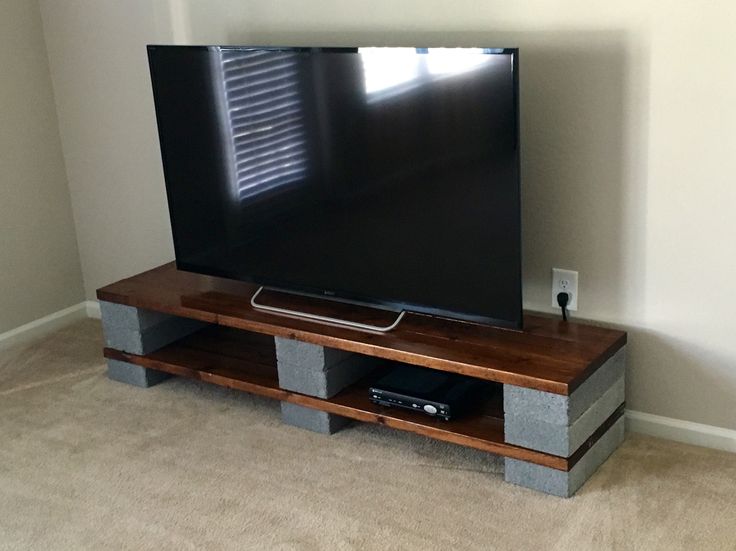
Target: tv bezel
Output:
{"points": [[338, 295]]}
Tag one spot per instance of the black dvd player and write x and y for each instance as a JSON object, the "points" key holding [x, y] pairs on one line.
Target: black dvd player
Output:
{"points": [[435, 393]]}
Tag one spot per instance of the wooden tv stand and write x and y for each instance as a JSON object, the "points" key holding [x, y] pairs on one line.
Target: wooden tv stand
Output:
{"points": [[555, 416]]}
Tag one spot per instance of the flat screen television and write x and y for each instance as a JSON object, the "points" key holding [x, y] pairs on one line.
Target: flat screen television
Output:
{"points": [[387, 176]]}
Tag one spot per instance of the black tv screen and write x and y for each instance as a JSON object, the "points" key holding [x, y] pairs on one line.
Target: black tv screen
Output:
{"points": [[388, 176]]}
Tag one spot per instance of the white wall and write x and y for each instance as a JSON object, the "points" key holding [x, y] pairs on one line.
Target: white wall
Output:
{"points": [[628, 114], [39, 263], [102, 89]]}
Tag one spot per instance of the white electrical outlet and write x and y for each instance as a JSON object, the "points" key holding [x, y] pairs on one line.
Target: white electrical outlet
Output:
{"points": [[565, 281]]}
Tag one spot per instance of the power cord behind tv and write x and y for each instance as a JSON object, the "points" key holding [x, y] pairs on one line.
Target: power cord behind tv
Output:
{"points": [[562, 299]]}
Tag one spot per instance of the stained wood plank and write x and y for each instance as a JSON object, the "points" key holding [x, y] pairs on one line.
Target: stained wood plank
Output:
{"points": [[547, 355]]}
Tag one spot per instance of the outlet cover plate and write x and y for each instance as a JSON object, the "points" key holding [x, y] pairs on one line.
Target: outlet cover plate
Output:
{"points": [[565, 281]]}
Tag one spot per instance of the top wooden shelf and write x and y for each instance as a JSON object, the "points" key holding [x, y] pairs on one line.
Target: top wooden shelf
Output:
{"points": [[549, 354]]}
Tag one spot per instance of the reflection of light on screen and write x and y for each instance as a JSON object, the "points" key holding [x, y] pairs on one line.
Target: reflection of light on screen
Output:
{"points": [[265, 120], [385, 68], [391, 71], [449, 61]]}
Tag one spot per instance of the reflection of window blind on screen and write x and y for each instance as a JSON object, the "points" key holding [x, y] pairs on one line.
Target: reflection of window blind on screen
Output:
{"points": [[265, 115]]}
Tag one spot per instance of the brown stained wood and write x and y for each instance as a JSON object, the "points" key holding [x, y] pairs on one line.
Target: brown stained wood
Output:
{"points": [[481, 431], [219, 355], [246, 362], [548, 355]]}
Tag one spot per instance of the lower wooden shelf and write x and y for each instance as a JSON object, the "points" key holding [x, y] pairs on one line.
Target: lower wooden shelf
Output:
{"points": [[246, 361]]}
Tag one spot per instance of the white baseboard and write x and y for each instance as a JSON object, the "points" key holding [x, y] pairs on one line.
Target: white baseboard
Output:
{"points": [[44, 325], [93, 309], [687, 432]]}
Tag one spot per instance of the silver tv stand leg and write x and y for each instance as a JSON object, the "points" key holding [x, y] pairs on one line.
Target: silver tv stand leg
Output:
{"points": [[323, 319]]}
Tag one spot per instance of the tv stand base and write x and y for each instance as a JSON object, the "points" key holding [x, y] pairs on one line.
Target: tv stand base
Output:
{"points": [[555, 415]]}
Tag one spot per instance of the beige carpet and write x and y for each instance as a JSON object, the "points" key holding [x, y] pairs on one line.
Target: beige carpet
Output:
{"points": [[87, 463]]}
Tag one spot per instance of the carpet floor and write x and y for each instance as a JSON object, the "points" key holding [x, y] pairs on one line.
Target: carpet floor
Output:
{"points": [[88, 463]]}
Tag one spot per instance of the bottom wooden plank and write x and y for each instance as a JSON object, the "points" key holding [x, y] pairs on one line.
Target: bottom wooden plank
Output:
{"points": [[246, 361]]}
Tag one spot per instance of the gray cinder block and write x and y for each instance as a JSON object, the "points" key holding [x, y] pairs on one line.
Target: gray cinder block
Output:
{"points": [[556, 408], [132, 374], [308, 356], [129, 317], [153, 338], [560, 438], [561, 483], [312, 419], [139, 331], [318, 371], [327, 383]]}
